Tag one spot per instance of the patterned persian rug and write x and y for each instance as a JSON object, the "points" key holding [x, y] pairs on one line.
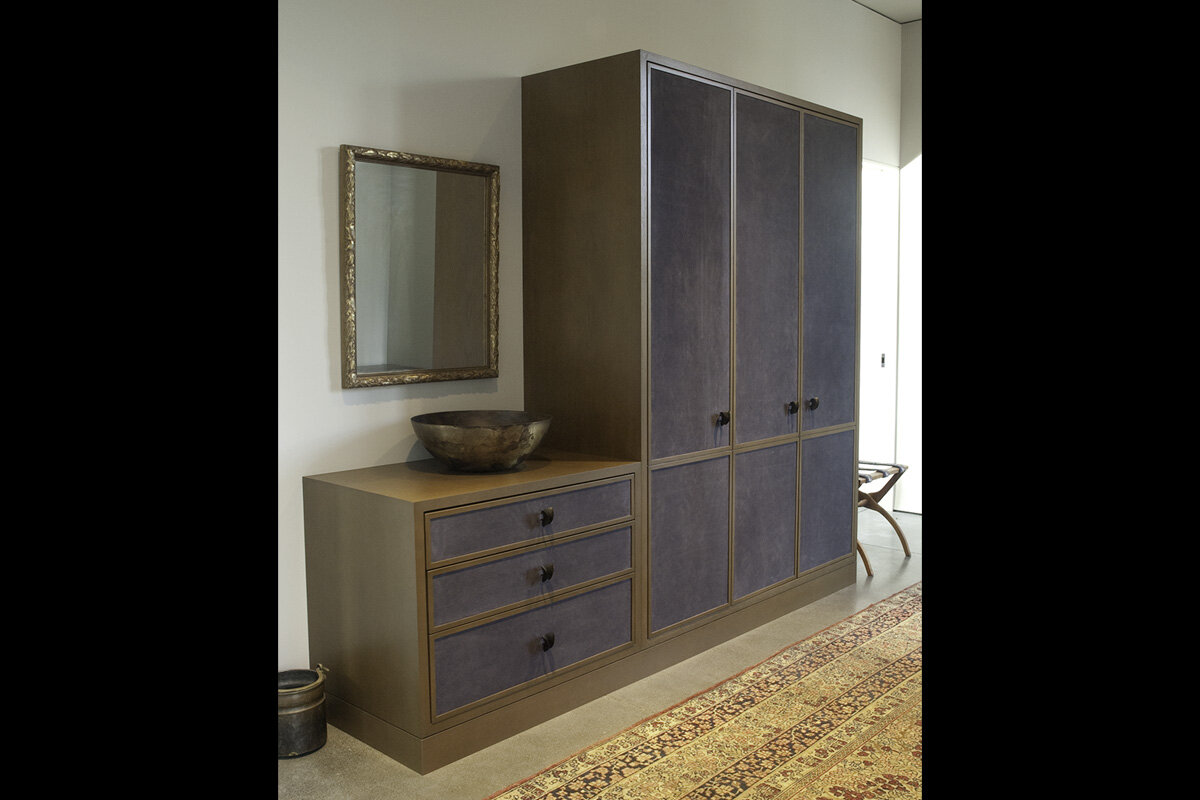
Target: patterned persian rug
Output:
{"points": [[836, 716]]}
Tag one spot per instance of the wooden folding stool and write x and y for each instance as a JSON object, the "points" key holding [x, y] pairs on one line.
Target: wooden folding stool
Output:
{"points": [[872, 471]]}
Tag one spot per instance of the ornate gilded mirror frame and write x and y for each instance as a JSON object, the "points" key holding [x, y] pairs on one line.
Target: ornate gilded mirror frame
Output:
{"points": [[482, 317]]}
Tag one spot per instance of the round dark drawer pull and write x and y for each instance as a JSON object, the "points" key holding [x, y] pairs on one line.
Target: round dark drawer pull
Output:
{"points": [[814, 402], [793, 407], [546, 571], [546, 516], [547, 641], [722, 417]]}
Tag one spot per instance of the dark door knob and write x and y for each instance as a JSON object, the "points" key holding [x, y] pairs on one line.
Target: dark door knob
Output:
{"points": [[546, 571], [546, 516], [722, 417], [547, 641], [793, 407], [814, 402]]}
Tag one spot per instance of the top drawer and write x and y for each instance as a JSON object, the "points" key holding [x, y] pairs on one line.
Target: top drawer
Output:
{"points": [[489, 526]]}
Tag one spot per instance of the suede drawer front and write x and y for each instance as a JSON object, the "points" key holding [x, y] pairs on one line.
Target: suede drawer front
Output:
{"points": [[489, 527], [481, 661], [480, 588]]}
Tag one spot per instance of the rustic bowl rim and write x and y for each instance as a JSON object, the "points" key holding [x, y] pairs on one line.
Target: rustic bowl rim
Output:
{"points": [[520, 418]]}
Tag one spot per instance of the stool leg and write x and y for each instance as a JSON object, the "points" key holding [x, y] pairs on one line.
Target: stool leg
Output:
{"points": [[866, 561], [900, 533], [868, 500]]}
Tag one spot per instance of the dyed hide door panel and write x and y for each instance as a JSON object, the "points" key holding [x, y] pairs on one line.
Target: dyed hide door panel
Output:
{"points": [[486, 527], [490, 658], [831, 166], [461, 593], [689, 540], [689, 263], [767, 268], [764, 530], [828, 488]]}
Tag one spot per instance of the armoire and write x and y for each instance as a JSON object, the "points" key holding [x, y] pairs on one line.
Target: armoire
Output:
{"points": [[691, 279]]}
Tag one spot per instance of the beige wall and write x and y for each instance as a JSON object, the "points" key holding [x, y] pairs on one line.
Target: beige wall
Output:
{"points": [[443, 78]]}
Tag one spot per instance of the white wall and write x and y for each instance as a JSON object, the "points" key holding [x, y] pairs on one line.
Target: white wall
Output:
{"points": [[443, 78], [909, 344], [879, 264]]}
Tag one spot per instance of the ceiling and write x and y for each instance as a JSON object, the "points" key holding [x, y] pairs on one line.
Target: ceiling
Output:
{"points": [[896, 10]]}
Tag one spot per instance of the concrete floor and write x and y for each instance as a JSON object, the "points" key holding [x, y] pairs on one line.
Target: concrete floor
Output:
{"points": [[347, 769]]}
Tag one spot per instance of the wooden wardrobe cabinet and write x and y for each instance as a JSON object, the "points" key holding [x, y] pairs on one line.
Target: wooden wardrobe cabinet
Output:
{"points": [[691, 318], [691, 247]]}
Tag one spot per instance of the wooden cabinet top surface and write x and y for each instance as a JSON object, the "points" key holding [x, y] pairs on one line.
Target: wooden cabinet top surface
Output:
{"points": [[429, 481]]}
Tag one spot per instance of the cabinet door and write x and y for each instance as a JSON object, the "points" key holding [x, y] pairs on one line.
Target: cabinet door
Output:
{"points": [[828, 498], [689, 540], [767, 268], [764, 518], [689, 263], [831, 168]]}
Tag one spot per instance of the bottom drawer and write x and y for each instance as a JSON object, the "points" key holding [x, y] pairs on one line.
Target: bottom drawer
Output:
{"points": [[478, 662]]}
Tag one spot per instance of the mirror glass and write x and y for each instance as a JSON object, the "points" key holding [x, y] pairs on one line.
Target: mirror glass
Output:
{"points": [[419, 268]]}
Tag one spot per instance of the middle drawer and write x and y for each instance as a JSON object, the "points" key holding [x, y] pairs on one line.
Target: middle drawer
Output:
{"points": [[457, 594]]}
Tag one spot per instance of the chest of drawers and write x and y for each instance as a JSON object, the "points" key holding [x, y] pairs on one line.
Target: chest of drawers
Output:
{"points": [[444, 604]]}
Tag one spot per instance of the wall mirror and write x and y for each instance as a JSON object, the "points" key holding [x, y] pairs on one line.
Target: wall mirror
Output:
{"points": [[419, 271]]}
